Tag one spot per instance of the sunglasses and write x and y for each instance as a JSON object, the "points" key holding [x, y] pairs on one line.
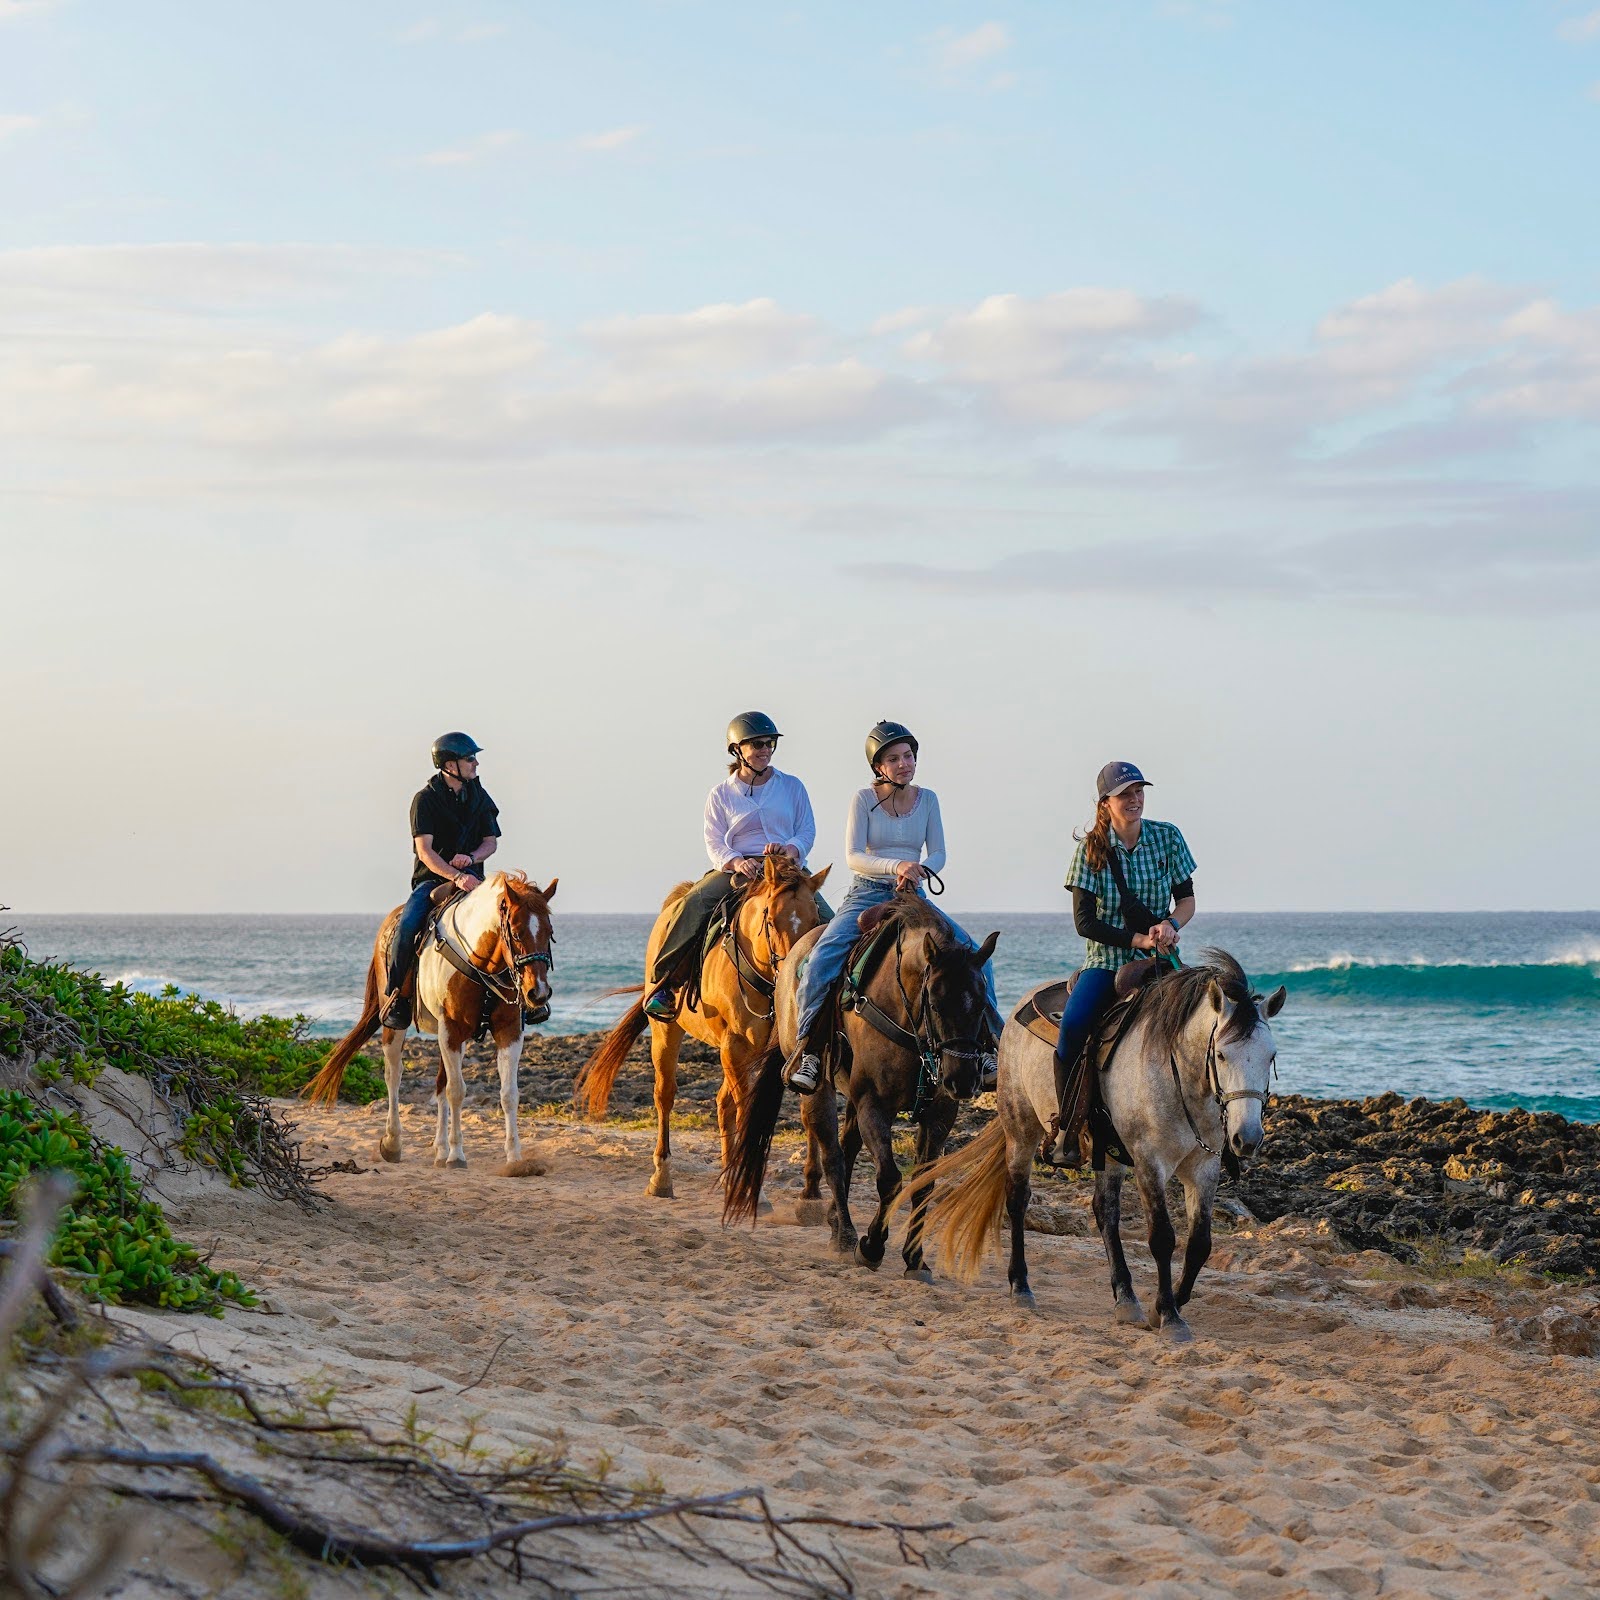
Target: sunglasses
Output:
{"points": [[761, 744]]}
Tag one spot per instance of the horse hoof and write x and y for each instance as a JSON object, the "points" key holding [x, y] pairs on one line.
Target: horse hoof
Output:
{"points": [[811, 1213], [921, 1274], [439, 1161], [457, 1163], [846, 1244], [872, 1262], [388, 1150], [660, 1185], [1024, 1299], [1128, 1313], [763, 1207], [522, 1167], [1175, 1332]]}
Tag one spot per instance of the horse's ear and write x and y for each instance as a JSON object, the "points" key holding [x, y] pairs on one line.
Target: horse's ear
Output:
{"points": [[986, 949], [769, 870], [817, 879], [1274, 1001], [1219, 1001], [550, 893]]}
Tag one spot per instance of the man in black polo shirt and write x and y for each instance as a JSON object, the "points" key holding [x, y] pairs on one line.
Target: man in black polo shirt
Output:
{"points": [[455, 828]]}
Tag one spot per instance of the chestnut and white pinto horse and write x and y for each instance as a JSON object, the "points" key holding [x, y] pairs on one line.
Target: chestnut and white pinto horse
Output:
{"points": [[500, 934]]}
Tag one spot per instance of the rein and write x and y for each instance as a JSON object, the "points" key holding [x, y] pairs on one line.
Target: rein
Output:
{"points": [[500, 981], [750, 975], [921, 1039]]}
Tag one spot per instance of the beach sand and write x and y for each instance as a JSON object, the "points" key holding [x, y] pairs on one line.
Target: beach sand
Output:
{"points": [[1328, 1433]]}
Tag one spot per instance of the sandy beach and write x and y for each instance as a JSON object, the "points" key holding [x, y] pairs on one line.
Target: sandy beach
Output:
{"points": [[1341, 1426]]}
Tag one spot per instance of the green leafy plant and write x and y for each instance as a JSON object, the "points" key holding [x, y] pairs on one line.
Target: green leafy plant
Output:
{"points": [[111, 1238]]}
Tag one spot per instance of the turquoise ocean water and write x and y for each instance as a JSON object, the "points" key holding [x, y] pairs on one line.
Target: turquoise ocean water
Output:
{"points": [[1502, 1009]]}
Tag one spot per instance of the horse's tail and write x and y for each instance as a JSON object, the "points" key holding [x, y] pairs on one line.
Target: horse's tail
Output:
{"points": [[965, 1218], [592, 1087], [752, 1142], [325, 1087]]}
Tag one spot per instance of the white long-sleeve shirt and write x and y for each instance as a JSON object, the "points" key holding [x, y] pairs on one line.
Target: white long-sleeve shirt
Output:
{"points": [[743, 821], [875, 842]]}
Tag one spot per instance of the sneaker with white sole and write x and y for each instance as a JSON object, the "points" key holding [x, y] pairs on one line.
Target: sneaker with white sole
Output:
{"points": [[804, 1076], [988, 1072]]}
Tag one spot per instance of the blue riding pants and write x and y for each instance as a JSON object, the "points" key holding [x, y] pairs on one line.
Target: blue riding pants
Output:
{"points": [[825, 966], [1091, 994], [403, 952]]}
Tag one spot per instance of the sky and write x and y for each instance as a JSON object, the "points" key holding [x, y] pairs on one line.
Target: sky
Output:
{"points": [[1209, 385]]}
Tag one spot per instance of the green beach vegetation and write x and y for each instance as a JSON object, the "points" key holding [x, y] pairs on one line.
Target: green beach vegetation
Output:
{"points": [[61, 1027]]}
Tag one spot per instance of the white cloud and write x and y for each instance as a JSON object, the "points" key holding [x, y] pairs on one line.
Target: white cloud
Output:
{"points": [[15, 123], [955, 52], [1577, 29], [721, 337], [611, 139], [473, 151]]}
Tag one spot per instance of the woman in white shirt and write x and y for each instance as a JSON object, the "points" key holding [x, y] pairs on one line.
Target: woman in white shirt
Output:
{"points": [[755, 811], [894, 840]]}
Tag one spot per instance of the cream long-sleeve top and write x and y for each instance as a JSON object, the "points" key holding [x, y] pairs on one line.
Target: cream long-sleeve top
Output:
{"points": [[742, 820], [875, 843]]}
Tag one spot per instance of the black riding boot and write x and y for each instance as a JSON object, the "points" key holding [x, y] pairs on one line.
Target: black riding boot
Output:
{"points": [[1060, 1153]]}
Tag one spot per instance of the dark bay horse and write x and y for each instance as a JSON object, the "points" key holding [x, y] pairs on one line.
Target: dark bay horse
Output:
{"points": [[914, 1048], [502, 929], [733, 1013], [1184, 1085]]}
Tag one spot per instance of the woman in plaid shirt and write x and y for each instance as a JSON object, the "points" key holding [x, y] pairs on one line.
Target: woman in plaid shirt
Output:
{"points": [[1157, 870]]}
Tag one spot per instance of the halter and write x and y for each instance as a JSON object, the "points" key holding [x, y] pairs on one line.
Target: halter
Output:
{"points": [[1219, 1097], [921, 1039], [500, 981]]}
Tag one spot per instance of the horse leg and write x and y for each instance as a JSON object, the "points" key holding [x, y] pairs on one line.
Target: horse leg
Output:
{"points": [[931, 1138], [820, 1113], [877, 1134], [510, 1057], [1199, 1196], [1164, 1317], [1019, 1185], [451, 1153], [664, 1044], [1108, 1219], [394, 1041]]}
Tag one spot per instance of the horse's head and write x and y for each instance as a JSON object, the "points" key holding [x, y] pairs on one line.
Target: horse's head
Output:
{"points": [[780, 906], [526, 934], [956, 1004], [1243, 1055]]}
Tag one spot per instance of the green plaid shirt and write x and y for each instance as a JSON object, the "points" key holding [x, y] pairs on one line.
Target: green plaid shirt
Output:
{"points": [[1159, 860]]}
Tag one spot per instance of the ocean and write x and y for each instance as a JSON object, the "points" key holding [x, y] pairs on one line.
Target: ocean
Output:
{"points": [[1502, 1009]]}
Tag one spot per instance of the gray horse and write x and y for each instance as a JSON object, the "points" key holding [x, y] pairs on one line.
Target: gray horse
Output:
{"points": [[1185, 1083]]}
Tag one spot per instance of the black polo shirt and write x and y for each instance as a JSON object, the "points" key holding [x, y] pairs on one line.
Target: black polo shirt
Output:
{"points": [[457, 822]]}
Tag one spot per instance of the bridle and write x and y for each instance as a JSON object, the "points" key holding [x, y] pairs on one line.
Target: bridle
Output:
{"points": [[1218, 1096], [746, 968], [922, 1038], [500, 980]]}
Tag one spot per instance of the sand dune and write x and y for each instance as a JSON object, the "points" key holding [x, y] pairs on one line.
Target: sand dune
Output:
{"points": [[1315, 1440]]}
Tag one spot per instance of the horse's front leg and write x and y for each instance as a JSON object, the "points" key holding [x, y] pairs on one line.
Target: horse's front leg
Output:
{"points": [[1164, 1317], [394, 1043], [877, 1134], [1199, 1198], [1108, 1219], [510, 1058], [819, 1112], [664, 1045], [451, 1150], [931, 1136]]}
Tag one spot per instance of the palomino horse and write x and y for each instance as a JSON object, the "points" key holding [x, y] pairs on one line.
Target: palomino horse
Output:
{"points": [[733, 1013], [1185, 1084], [501, 931], [914, 1046]]}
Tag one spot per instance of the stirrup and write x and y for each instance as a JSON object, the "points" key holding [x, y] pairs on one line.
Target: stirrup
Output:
{"points": [[803, 1075], [397, 1013], [662, 1006]]}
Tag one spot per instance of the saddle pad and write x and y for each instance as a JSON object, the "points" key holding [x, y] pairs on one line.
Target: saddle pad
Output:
{"points": [[869, 948], [1041, 1013]]}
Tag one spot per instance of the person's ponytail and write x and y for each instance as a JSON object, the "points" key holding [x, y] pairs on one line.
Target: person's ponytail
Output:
{"points": [[1096, 841]]}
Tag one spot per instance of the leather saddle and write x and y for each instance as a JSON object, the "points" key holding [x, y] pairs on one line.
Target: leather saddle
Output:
{"points": [[1040, 1014]]}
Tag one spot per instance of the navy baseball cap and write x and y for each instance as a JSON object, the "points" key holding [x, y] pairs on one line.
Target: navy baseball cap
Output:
{"points": [[1115, 776]]}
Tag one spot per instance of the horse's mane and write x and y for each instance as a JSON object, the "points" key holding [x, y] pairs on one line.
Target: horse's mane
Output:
{"points": [[915, 915], [1174, 997], [522, 888]]}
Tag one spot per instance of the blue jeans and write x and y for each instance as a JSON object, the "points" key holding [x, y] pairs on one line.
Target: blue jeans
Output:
{"points": [[403, 952], [825, 966], [1091, 994]]}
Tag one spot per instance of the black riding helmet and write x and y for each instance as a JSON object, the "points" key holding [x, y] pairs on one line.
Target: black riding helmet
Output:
{"points": [[885, 734], [750, 725], [454, 747]]}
